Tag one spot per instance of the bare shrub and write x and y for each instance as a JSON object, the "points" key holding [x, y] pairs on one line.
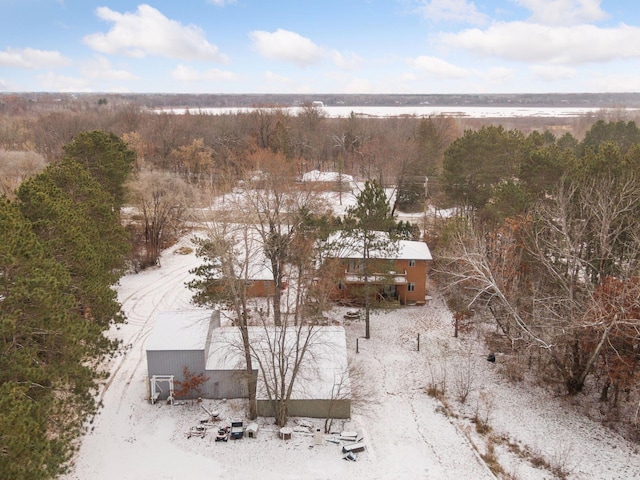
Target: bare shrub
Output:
{"points": [[560, 463], [437, 381], [464, 379], [352, 385], [189, 388], [512, 473], [484, 409], [537, 458]]}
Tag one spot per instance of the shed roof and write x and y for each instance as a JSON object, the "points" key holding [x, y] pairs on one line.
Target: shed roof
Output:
{"points": [[181, 330], [324, 367]]}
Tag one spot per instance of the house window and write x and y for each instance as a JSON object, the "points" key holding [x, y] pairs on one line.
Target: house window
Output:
{"points": [[411, 287], [355, 265], [412, 263]]}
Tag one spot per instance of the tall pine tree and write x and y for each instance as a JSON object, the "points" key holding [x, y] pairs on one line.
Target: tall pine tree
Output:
{"points": [[369, 223]]}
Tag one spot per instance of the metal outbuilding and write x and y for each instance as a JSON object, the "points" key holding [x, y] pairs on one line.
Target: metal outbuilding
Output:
{"points": [[194, 340]]}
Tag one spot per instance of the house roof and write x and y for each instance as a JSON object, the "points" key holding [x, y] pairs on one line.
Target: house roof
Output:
{"points": [[344, 246], [251, 262], [182, 330], [318, 176], [414, 250]]}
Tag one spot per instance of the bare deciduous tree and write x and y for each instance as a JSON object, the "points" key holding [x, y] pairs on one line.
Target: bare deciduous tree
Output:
{"points": [[266, 228], [543, 278], [230, 252], [283, 354], [274, 203], [161, 199]]}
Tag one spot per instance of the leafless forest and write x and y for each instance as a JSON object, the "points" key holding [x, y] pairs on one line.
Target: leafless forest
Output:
{"points": [[211, 150]]}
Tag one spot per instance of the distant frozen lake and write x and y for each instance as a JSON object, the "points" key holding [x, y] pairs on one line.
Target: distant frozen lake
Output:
{"points": [[416, 111]]}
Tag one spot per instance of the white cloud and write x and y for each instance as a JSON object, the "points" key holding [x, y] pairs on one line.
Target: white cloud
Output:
{"points": [[187, 74], [32, 58], [436, 67], [408, 77], [347, 83], [276, 78], [499, 75], [102, 68], [605, 82], [62, 83], [525, 42], [149, 32], [287, 46], [552, 72], [358, 85], [221, 3], [563, 12], [349, 61], [5, 86], [452, 11], [275, 82]]}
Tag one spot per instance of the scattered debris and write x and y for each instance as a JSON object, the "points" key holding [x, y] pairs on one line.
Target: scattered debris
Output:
{"points": [[213, 416], [350, 456], [348, 436], [352, 315], [198, 431], [354, 447], [305, 424]]}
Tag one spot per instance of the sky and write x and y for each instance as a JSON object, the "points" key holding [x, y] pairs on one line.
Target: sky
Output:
{"points": [[320, 46]]}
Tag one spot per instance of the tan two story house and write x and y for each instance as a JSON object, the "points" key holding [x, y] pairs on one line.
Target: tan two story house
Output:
{"points": [[398, 273]]}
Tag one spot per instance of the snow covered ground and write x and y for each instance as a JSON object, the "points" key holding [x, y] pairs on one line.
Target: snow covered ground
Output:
{"points": [[408, 433]]}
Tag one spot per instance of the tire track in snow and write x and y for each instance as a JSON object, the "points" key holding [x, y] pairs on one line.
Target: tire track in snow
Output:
{"points": [[134, 304]]}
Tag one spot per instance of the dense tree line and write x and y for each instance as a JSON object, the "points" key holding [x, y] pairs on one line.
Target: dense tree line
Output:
{"points": [[214, 151], [62, 249], [547, 245]]}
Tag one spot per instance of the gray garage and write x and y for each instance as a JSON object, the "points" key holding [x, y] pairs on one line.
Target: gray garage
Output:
{"points": [[194, 340], [182, 340]]}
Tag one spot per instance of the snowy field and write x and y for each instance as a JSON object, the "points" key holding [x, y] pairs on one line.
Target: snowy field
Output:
{"points": [[416, 111], [408, 434]]}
